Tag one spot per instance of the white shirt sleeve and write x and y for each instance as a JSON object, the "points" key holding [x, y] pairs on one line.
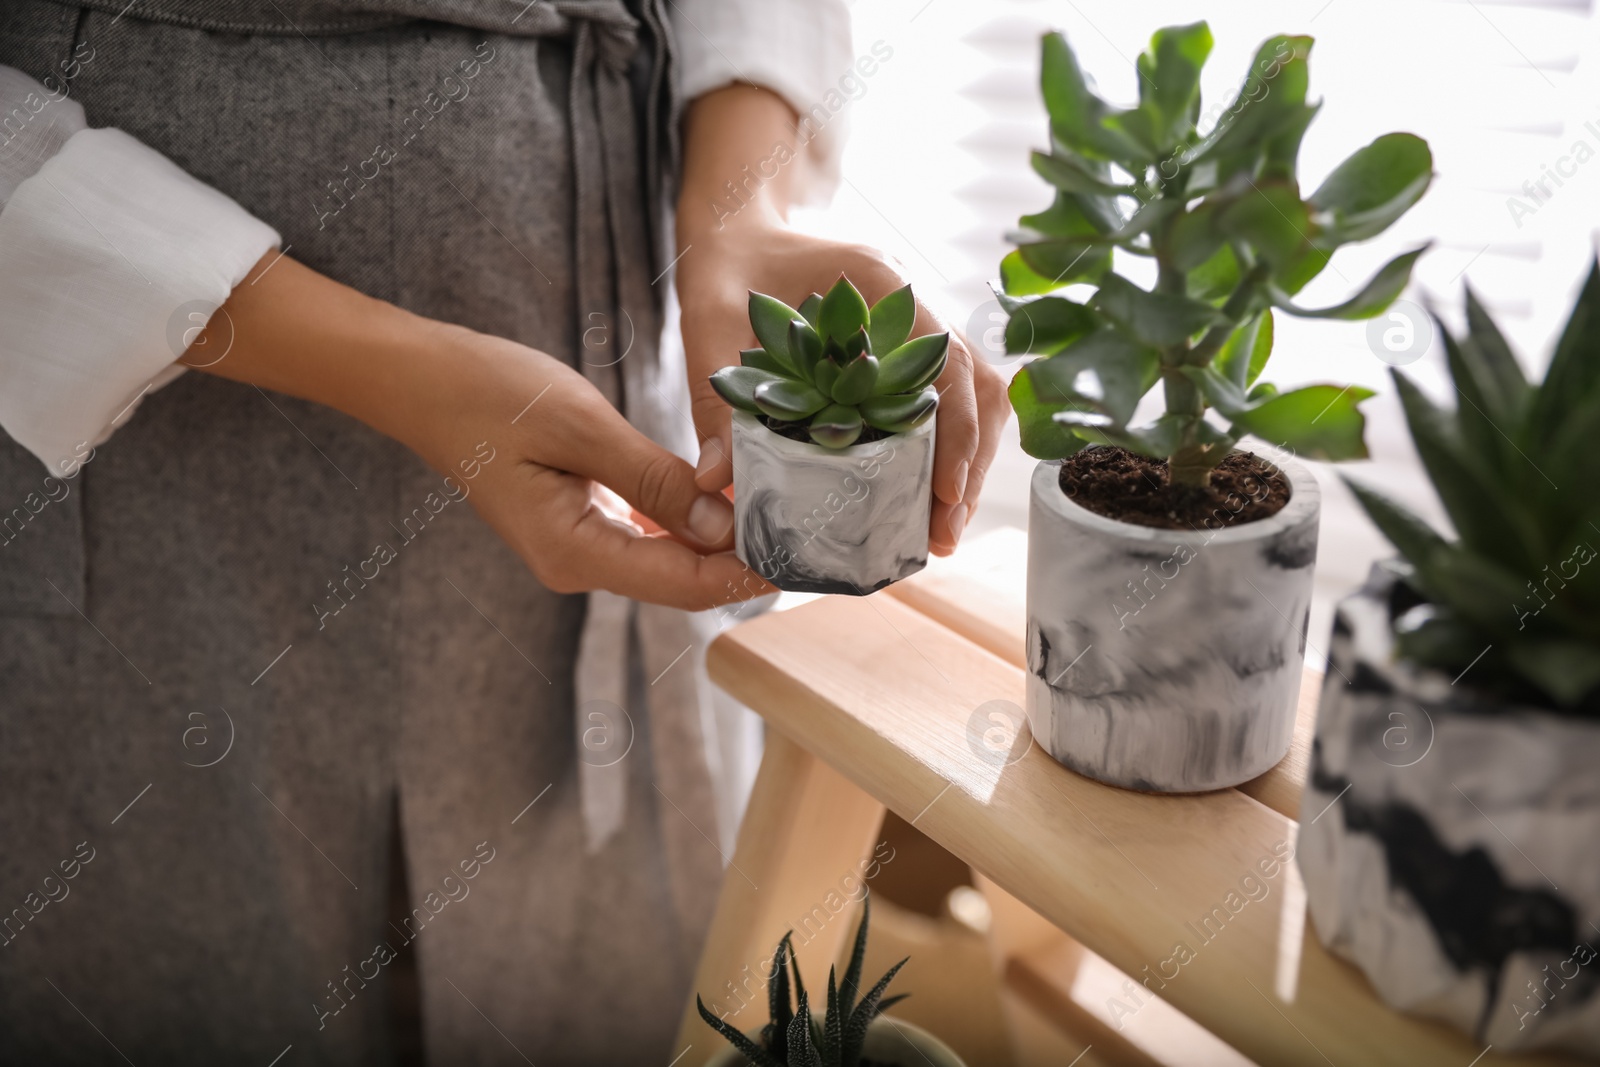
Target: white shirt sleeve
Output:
{"points": [[800, 49], [111, 260]]}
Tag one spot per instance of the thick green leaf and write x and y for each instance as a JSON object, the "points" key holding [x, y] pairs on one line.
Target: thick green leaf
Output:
{"points": [[850, 987], [1316, 421], [1374, 187], [1042, 436], [836, 426], [738, 385], [1376, 295], [856, 380], [1157, 319], [1480, 589], [825, 374], [747, 1048], [1148, 217], [805, 347], [1194, 237], [833, 1026], [770, 318], [1245, 352], [761, 359], [843, 311], [1217, 277], [811, 309], [1169, 81], [1104, 371], [1019, 279], [1045, 326], [1504, 377], [912, 365], [1064, 218], [1567, 670], [1410, 535], [1158, 439], [1220, 391], [1479, 414], [1273, 96], [789, 401], [1573, 376], [1077, 114], [1281, 150], [1072, 174], [901, 412], [891, 320], [1271, 219], [1052, 264]]}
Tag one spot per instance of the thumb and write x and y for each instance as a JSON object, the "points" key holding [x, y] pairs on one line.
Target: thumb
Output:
{"points": [[711, 341]]}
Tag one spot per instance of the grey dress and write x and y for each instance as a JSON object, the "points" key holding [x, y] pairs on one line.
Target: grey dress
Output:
{"points": [[288, 826]]}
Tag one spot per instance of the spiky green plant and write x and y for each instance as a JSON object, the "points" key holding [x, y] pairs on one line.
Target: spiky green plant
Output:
{"points": [[1516, 596], [837, 366], [793, 1037], [1221, 214]]}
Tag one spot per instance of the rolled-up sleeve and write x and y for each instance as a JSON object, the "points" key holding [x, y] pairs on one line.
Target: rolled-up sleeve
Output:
{"points": [[111, 260], [800, 49]]}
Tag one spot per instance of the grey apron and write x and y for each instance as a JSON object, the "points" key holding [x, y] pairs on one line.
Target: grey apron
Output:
{"points": [[220, 731]]}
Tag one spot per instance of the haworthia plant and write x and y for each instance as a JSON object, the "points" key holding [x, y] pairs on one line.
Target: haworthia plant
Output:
{"points": [[794, 1037], [1516, 595], [1232, 238], [837, 365]]}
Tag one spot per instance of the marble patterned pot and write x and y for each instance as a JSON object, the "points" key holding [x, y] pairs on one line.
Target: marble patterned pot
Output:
{"points": [[818, 520], [1166, 660], [1436, 828], [889, 1041]]}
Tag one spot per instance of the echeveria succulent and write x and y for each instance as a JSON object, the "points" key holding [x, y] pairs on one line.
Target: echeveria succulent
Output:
{"points": [[1516, 595], [1221, 213], [837, 366]]}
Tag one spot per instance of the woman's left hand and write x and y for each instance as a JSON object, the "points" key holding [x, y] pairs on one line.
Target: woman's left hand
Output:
{"points": [[725, 254]]}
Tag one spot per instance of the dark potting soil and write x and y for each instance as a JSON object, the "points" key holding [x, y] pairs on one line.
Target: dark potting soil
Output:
{"points": [[1128, 487], [801, 431]]}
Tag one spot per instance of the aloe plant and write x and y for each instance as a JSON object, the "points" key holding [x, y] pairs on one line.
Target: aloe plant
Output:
{"points": [[1516, 596], [1232, 238], [793, 1037], [837, 366]]}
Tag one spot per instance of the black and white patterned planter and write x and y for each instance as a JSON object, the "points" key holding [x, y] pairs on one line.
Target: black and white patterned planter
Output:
{"points": [[810, 519], [1167, 660], [1450, 845]]}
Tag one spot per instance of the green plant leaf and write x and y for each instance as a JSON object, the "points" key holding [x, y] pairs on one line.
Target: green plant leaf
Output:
{"points": [[1072, 174], [770, 318], [1573, 376], [1017, 279], [1052, 264], [1376, 295], [779, 1007], [1244, 354], [1567, 670], [1157, 440], [855, 1030], [1220, 391], [1272, 97], [811, 310], [1316, 421], [1217, 277], [805, 348], [850, 988], [1271, 219], [912, 365], [1042, 436], [1157, 319], [836, 426], [1169, 81], [1194, 237], [1504, 376], [902, 412], [856, 380], [1104, 371], [788, 401], [1076, 114], [738, 385], [843, 311], [833, 1027], [825, 374], [1045, 326], [747, 1048], [802, 1052], [761, 359], [891, 319], [1281, 150], [1374, 187], [1411, 536]]}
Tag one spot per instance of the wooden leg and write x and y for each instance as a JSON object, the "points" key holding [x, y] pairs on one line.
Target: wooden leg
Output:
{"points": [[805, 851]]}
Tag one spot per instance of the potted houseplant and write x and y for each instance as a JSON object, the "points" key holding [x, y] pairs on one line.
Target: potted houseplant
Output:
{"points": [[1449, 826], [1169, 574], [850, 1033], [833, 441]]}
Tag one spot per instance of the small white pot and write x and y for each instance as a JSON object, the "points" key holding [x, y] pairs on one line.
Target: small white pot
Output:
{"points": [[819, 520], [1167, 660], [888, 1041], [1449, 842]]}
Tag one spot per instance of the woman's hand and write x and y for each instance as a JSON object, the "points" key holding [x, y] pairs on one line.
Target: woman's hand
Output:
{"points": [[725, 254], [567, 466]]}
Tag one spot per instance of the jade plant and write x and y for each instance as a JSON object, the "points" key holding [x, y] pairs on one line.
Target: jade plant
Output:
{"points": [[793, 1037], [836, 367], [1516, 596], [1220, 213]]}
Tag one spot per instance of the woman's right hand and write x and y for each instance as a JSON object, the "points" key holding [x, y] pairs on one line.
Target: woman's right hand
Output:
{"points": [[570, 479]]}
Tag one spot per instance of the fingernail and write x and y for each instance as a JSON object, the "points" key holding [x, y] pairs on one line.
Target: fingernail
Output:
{"points": [[961, 481], [708, 458], [958, 522], [710, 518]]}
